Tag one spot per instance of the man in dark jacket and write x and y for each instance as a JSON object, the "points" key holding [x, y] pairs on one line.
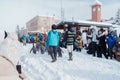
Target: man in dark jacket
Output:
{"points": [[69, 38], [102, 43]]}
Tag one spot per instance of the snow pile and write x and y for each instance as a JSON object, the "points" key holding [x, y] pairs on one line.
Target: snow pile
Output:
{"points": [[11, 48], [1, 36], [83, 67], [97, 2]]}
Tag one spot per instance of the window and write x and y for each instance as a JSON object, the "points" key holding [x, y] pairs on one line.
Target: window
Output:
{"points": [[94, 9], [98, 9]]}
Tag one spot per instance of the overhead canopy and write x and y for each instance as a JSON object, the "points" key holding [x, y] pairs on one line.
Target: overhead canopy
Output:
{"points": [[62, 24]]}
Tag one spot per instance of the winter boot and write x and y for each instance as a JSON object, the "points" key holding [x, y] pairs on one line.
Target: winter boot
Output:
{"points": [[53, 58], [70, 56]]}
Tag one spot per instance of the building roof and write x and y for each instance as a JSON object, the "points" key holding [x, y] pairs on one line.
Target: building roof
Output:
{"points": [[61, 24]]}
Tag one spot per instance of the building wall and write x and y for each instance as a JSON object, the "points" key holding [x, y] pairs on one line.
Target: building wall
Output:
{"points": [[23, 32], [41, 23], [32, 25]]}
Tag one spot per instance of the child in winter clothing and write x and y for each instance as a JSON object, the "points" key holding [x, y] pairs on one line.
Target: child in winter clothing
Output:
{"points": [[34, 49], [79, 42], [42, 46], [38, 44]]}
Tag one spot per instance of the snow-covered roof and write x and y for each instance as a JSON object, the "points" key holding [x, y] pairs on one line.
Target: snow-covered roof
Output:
{"points": [[109, 21], [34, 31], [60, 25], [97, 2], [95, 23]]}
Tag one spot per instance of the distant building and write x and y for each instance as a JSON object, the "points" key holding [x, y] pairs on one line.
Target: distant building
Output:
{"points": [[41, 23], [96, 11]]}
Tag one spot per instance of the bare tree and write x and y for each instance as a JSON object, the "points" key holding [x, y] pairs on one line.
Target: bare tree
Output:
{"points": [[117, 18]]}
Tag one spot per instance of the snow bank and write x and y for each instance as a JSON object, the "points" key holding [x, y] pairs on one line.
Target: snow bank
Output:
{"points": [[11, 48], [1, 36], [83, 67]]}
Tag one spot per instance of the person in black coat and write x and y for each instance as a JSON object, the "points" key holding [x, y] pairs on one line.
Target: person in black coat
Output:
{"points": [[102, 44]]}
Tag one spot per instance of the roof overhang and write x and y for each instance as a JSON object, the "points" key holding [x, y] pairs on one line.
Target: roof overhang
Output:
{"points": [[62, 24]]}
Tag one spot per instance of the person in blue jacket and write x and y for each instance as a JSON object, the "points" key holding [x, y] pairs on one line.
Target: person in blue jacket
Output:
{"points": [[24, 39], [111, 40], [31, 38], [53, 43]]}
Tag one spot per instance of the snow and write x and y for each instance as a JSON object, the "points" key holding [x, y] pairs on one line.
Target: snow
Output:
{"points": [[104, 24], [83, 67], [11, 48], [97, 2], [1, 36], [39, 67]]}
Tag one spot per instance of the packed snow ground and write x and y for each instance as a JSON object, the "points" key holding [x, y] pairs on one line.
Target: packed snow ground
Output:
{"points": [[39, 67], [83, 67]]}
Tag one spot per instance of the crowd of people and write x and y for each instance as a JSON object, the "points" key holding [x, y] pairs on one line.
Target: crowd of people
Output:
{"points": [[98, 42]]}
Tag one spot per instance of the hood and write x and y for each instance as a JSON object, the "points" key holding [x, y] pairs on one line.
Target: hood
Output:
{"points": [[54, 31], [11, 48], [71, 30]]}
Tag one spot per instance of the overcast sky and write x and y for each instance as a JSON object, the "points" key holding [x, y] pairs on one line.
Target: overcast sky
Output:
{"points": [[18, 12]]}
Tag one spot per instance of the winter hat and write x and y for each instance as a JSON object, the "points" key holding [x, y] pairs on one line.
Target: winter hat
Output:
{"points": [[53, 26], [92, 27], [78, 37], [11, 48], [66, 25], [110, 29]]}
